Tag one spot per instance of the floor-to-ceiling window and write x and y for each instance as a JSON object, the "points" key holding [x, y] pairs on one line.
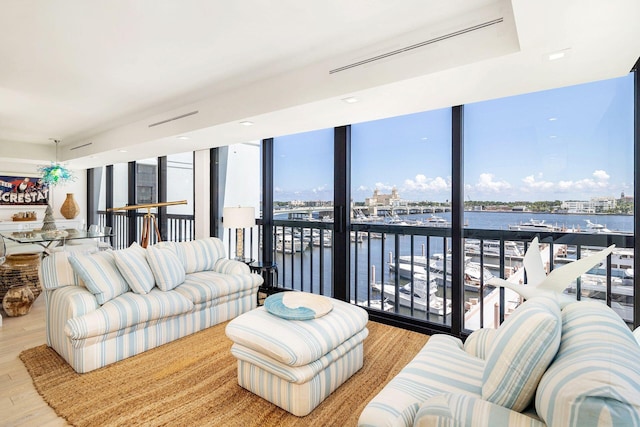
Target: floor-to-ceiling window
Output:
{"points": [[401, 188], [557, 161], [303, 191]]}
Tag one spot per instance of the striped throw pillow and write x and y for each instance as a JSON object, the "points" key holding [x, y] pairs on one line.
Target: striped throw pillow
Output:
{"points": [[201, 254], [132, 263], [522, 349], [166, 267], [100, 275]]}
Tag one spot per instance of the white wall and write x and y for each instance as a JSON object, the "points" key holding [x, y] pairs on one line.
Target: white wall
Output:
{"points": [[202, 201]]}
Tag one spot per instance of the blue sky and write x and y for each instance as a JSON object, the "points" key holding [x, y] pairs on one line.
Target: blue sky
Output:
{"points": [[572, 143]]}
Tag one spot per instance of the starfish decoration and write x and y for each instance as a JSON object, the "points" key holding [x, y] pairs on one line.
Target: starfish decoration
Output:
{"points": [[553, 284]]}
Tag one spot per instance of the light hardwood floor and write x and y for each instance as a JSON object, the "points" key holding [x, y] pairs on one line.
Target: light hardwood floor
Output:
{"points": [[20, 403]]}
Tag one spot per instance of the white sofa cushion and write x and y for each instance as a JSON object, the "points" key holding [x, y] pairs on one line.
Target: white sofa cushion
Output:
{"points": [[133, 265], [199, 255], [167, 269], [57, 272], [297, 342], [441, 366], [454, 409], [127, 310], [595, 378], [100, 275], [209, 285], [522, 349], [480, 342]]}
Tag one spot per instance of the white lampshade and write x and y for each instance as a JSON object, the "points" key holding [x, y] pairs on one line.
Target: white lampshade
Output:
{"points": [[239, 217]]}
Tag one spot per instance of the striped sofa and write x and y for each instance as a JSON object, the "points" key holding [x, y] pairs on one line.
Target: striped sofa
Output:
{"points": [[541, 367], [106, 306]]}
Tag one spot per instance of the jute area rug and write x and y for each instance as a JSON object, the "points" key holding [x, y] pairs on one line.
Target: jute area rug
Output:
{"points": [[193, 382]]}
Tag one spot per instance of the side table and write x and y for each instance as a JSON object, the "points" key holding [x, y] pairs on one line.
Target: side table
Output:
{"points": [[269, 271]]}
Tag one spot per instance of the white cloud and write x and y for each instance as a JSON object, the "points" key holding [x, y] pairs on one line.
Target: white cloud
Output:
{"points": [[320, 189], [532, 184], [600, 181], [601, 175], [422, 183], [363, 188], [487, 184], [383, 187]]}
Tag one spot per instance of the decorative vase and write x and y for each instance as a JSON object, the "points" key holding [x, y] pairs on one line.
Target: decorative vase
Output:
{"points": [[70, 208]]}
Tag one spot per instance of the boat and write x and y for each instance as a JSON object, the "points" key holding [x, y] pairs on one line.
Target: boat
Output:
{"points": [[621, 295], [382, 304], [595, 228], [421, 296], [491, 248], [435, 265], [290, 244], [436, 221], [534, 225], [621, 258]]}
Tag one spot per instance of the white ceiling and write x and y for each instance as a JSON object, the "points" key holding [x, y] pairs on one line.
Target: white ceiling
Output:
{"points": [[95, 75]]}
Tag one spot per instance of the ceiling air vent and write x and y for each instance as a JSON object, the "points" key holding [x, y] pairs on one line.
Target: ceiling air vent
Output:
{"points": [[182, 116], [80, 146], [417, 45]]}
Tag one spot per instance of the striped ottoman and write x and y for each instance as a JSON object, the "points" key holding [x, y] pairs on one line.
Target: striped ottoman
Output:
{"points": [[296, 364]]}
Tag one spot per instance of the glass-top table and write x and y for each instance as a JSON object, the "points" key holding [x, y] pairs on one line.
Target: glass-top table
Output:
{"points": [[47, 238]]}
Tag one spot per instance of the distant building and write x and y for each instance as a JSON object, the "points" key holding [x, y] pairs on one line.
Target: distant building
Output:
{"points": [[520, 209], [595, 205], [625, 199], [379, 199]]}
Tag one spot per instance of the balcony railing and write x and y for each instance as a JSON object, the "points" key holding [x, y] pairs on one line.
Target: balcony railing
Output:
{"points": [[405, 272], [179, 227]]}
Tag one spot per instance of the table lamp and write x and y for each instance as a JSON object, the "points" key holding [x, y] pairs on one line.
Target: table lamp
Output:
{"points": [[239, 218]]}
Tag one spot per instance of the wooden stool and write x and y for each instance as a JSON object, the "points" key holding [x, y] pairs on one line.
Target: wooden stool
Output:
{"points": [[18, 301], [18, 270]]}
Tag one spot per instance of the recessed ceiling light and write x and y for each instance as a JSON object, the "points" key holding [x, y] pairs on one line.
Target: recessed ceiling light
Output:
{"points": [[246, 123], [183, 138], [559, 54], [122, 151], [350, 100]]}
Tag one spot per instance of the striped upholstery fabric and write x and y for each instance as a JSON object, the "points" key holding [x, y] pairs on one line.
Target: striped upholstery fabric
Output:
{"points": [[298, 374], [89, 335], [296, 364], [442, 366], [449, 410], [100, 275], [208, 285], [297, 343], [132, 264], [201, 254], [479, 342], [166, 267], [92, 353], [522, 349], [56, 271], [63, 304], [300, 398], [231, 266], [636, 333], [127, 310], [595, 378]]}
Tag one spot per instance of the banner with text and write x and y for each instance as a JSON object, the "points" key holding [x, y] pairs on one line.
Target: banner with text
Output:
{"points": [[20, 190]]}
